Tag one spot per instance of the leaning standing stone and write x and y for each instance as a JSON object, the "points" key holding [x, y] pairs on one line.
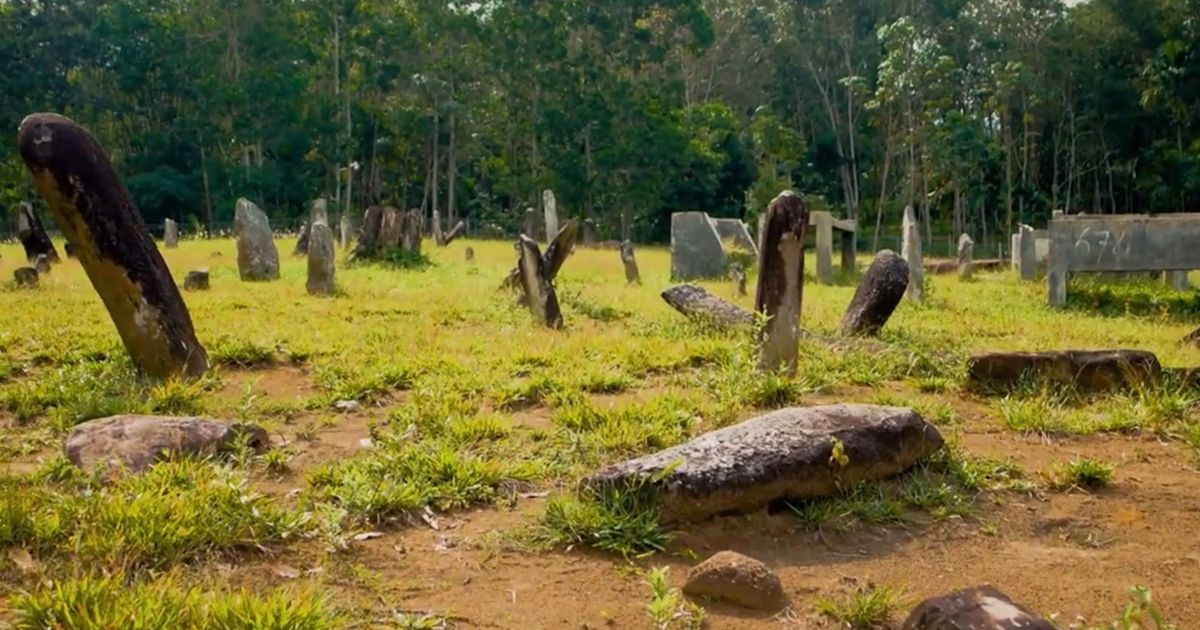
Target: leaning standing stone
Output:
{"points": [[170, 233], [371, 234], [788, 454], [94, 211], [913, 256], [631, 269], [454, 234], [258, 258], [878, 295], [320, 260], [781, 281], [966, 255], [33, 236], [196, 280], [539, 290], [302, 241], [26, 277], [137, 442], [737, 273]]}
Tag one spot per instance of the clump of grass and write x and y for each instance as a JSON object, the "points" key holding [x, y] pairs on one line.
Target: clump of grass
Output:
{"points": [[1040, 414], [110, 602], [364, 385], [592, 309], [865, 609], [629, 430], [243, 353], [667, 607], [624, 521], [176, 397], [1083, 473], [527, 392]]}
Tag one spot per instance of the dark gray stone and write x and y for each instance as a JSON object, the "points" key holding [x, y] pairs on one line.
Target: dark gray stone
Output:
{"points": [[42, 264], [979, 608], [258, 258], [321, 260], [696, 249], [696, 303], [25, 277], [879, 293], [137, 442], [196, 280], [781, 281], [1084, 370], [170, 233], [782, 455]]}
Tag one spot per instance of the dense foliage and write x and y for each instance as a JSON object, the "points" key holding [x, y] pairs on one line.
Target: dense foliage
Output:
{"points": [[982, 113]]}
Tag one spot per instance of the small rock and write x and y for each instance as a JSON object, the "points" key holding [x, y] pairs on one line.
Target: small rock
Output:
{"points": [[732, 577], [26, 277], [347, 406], [979, 608], [196, 280], [136, 442]]}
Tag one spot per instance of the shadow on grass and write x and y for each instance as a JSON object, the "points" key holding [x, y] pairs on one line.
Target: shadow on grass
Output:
{"points": [[1132, 299]]}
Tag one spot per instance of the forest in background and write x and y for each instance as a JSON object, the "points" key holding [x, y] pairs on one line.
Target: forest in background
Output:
{"points": [[982, 114]]}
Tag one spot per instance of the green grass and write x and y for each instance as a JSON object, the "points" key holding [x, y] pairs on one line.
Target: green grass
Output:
{"points": [[668, 608], [1083, 473], [619, 521], [867, 608]]}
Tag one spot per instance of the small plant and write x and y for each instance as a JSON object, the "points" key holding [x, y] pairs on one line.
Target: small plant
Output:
{"points": [[1140, 614], [624, 521], [865, 609], [668, 608], [1083, 473], [277, 460]]}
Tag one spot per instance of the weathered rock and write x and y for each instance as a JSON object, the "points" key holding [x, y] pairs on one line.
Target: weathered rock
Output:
{"points": [[529, 227], [437, 229], [196, 280], [589, 232], [734, 232], [321, 260], [912, 254], [782, 455], [391, 230], [979, 608], [539, 290], [95, 211], [302, 240], [696, 249], [42, 264], [258, 258], [455, 233], [33, 235], [370, 234], [345, 231], [781, 281], [170, 233], [319, 212], [696, 303], [732, 577], [1084, 370], [554, 258], [470, 254], [878, 295], [737, 273], [823, 222], [630, 262], [137, 442], [1027, 253], [550, 211], [410, 231], [25, 277], [966, 256]]}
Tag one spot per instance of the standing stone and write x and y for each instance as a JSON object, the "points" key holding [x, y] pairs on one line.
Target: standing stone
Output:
{"points": [[966, 255], [589, 232], [391, 230], [170, 233], [550, 210], [42, 264], [437, 229], [631, 267], [94, 211], [1027, 253], [878, 295], [345, 230], [823, 223], [737, 273], [696, 249], [410, 231], [556, 255], [980, 608], [454, 234], [529, 227], [911, 252], [258, 258], [302, 241], [26, 277], [196, 280], [781, 281], [32, 235], [1178, 280], [539, 290], [320, 260], [319, 212], [470, 254], [369, 235]]}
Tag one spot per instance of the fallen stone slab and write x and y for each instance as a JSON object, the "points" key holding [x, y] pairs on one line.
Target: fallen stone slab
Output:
{"points": [[696, 303], [782, 455], [732, 577], [1088, 371], [137, 442], [979, 608]]}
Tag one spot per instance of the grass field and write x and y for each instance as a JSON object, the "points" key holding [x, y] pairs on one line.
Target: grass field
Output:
{"points": [[445, 499]]}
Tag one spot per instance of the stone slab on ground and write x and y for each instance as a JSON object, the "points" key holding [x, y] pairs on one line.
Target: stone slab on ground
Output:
{"points": [[782, 455], [979, 608], [137, 442], [1085, 370]]}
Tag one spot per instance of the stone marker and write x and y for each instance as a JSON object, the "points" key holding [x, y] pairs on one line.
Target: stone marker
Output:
{"points": [[258, 258], [1178, 280], [732, 577], [321, 258], [33, 236], [878, 295], [734, 232], [94, 211], [966, 256], [196, 280], [1084, 370], [170, 233], [550, 210], [455, 233], [782, 455], [391, 228], [589, 232], [539, 290], [631, 268], [470, 254], [781, 281], [529, 227], [369, 235], [410, 231], [26, 277], [137, 442], [979, 608], [823, 222], [438, 239], [1027, 253], [302, 241], [319, 212], [556, 254], [345, 230], [696, 303], [737, 273], [42, 264], [696, 249], [71, 250], [912, 254]]}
